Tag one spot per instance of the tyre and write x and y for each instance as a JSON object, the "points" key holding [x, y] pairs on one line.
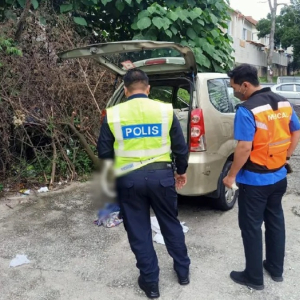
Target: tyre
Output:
{"points": [[227, 197]]}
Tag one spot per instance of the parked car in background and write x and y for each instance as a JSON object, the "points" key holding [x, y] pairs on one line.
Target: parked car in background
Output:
{"points": [[285, 79], [264, 85], [203, 102], [290, 91]]}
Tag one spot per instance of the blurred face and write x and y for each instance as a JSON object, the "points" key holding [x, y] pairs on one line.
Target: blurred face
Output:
{"points": [[240, 91]]}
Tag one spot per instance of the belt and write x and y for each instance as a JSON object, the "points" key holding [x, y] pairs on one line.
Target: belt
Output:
{"points": [[157, 166]]}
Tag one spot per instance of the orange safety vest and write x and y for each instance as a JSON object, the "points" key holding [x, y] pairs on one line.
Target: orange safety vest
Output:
{"points": [[272, 114]]}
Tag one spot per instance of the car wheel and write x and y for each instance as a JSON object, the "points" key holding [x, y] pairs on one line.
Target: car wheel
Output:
{"points": [[227, 197]]}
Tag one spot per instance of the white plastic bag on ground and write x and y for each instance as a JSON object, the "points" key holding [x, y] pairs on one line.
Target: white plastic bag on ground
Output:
{"points": [[184, 228], [43, 190], [158, 238], [19, 260]]}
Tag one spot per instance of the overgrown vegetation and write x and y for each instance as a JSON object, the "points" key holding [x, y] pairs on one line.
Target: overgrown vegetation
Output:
{"points": [[50, 111]]}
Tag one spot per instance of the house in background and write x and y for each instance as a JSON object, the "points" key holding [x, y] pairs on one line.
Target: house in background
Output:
{"points": [[252, 50]]}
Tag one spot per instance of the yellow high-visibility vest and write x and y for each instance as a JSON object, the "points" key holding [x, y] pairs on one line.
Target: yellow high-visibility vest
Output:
{"points": [[141, 128]]}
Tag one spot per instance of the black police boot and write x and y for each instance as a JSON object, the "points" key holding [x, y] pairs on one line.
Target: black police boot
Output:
{"points": [[267, 268], [182, 280], [151, 289], [241, 278]]}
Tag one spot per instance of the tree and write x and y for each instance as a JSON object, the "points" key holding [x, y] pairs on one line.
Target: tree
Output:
{"points": [[287, 29], [194, 23], [50, 111], [290, 30], [264, 28], [273, 9]]}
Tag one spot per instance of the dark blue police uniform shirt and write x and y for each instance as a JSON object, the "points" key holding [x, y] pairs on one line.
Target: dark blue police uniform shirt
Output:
{"points": [[244, 130], [179, 148]]}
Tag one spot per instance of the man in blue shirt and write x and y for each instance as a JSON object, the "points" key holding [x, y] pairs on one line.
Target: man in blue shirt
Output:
{"points": [[261, 188]]}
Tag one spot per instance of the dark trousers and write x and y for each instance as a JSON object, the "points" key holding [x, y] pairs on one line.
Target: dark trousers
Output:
{"points": [[137, 192], [258, 204]]}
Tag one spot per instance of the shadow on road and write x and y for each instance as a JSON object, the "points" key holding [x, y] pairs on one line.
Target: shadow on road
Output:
{"points": [[195, 203]]}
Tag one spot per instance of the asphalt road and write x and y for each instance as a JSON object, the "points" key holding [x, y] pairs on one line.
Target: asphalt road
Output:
{"points": [[71, 258]]}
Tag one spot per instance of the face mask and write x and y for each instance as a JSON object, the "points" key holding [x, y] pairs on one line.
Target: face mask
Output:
{"points": [[239, 95]]}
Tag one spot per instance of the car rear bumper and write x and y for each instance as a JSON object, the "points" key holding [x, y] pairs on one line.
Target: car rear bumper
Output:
{"points": [[203, 173]]}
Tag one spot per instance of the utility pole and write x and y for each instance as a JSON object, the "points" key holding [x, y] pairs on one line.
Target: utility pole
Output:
{"points": [[273, 9]]}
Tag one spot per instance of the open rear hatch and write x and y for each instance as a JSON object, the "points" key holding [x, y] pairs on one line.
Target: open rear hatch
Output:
{"points": [[150, 56], [154, 58]]}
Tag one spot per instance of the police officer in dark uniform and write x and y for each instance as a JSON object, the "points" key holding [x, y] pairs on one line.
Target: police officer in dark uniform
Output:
{"points": [[139, 135]]}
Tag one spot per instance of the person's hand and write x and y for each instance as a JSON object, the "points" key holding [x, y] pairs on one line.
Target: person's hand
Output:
{"points": [[229, 181], [288, 167], [180, 181]]}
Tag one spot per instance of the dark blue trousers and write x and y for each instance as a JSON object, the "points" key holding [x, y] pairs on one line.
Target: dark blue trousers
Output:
{"points": [[258, 204], [137, 192]]}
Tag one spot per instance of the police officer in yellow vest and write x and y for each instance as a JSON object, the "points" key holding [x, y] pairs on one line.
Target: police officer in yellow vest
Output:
{"points": [[267, 130], [140, 135]]}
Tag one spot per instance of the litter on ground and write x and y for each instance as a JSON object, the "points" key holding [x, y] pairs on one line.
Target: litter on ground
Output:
{"points": [[19, 260], [158, 238]]}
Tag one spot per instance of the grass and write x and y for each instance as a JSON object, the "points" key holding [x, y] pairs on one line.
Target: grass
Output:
{"points": [[265, 80]]}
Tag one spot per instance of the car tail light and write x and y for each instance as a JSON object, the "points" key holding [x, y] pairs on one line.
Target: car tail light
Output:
{"points": [[155, 62], [103, 114], [197, 132]]}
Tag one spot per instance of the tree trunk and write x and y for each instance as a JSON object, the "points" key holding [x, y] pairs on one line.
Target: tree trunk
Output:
{"points": [[86, 146], [22, 20], [273, 9]]}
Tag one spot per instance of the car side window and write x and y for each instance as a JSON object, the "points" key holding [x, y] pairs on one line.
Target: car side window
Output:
{"points": [[182, 100], [165, 94], [235, 101], [162, 93], [219, 96], [287, 88], [297, 87]]}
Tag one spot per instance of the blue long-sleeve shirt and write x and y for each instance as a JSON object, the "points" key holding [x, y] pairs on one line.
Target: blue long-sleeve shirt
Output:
{"points": [[179, 147]]}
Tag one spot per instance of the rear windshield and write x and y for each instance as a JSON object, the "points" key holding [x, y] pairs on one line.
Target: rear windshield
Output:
{"points": [[143, 58]]}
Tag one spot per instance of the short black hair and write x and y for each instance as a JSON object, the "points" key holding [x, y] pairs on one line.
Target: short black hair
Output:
{"points": [[134, 76], [244, 72]]}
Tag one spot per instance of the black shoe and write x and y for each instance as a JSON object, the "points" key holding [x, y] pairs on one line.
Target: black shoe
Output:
{"points": [[151, 289], [275, 278], [183, 280], [240, 278]]}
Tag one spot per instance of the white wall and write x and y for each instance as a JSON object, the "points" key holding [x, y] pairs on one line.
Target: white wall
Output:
{"points": [[290, 50], [280, 59], [251, 54], [247, 53]]}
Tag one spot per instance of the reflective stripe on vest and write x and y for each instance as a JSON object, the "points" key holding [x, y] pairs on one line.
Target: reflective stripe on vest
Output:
{"points": [[272, 137], [267, 107], [133, 166]]}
